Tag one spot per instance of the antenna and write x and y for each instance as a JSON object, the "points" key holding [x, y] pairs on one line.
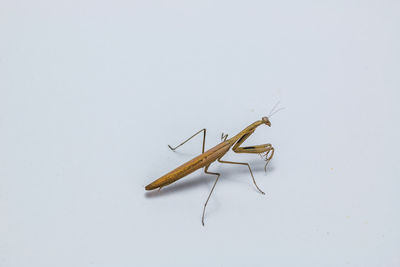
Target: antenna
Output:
{"points": [[273, 108], [273, 111]]}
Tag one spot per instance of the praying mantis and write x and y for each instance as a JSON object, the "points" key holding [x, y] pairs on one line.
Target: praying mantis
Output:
{"points": [[206, 158]]}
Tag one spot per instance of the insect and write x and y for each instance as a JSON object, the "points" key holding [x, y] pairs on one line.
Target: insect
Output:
{"points": [[206, 158]]}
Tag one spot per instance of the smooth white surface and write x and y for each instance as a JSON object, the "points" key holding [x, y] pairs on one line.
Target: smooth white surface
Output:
{"points": [[91, 93]]}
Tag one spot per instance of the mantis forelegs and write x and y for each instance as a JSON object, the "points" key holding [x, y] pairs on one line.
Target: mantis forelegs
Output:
{"points": [[265, 150], [204, 140], [258, 149]]}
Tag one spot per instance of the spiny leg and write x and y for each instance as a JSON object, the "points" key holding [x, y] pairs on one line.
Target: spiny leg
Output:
{"points": [[266, 151], [258, 149], [204, 140], [212, 189], [243, 163], [268, 157]]}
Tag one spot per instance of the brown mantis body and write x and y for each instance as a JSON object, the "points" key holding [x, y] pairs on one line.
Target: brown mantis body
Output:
{"points": [[215, 154]]}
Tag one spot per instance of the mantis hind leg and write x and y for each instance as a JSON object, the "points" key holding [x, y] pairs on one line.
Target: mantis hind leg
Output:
{"points": [[212, 189], [243, 163], [204, 140]]}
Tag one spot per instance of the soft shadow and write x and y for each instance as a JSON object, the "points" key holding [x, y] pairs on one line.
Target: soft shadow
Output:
{"points": [[200, 179], [204, 179]]}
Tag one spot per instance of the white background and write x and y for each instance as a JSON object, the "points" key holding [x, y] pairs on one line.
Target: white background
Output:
{"points": [[91, 93]]}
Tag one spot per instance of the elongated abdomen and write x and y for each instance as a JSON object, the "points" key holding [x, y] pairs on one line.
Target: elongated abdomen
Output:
{"points": [[198, 162]]}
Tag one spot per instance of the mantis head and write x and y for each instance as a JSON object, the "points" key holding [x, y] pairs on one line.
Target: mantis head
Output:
{"points": [[266, 121]]}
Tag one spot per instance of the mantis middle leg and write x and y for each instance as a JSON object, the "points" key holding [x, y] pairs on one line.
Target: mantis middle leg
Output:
{"points": [[243, 163]]}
